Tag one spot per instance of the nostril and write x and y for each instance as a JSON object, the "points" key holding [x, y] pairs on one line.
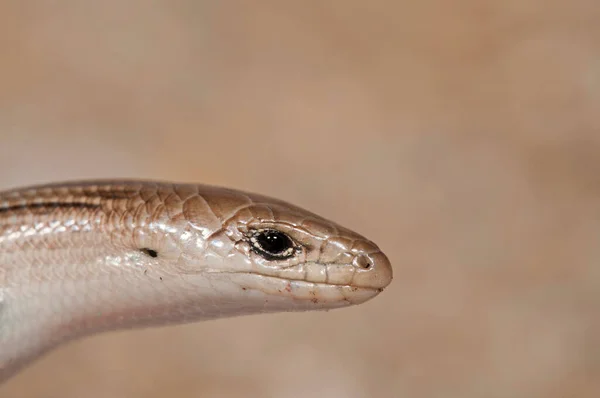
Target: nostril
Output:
{"points": [[364, 262], [373, 269]]}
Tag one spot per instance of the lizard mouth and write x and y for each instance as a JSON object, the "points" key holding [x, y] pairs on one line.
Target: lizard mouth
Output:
{"points": [[301, 290], [302, 282]]}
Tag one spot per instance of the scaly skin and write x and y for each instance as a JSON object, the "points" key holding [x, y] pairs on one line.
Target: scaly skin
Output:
{"points": [[86, 257]]}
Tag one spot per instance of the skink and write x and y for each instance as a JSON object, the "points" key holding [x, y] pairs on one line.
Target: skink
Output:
{"points": [[80, 258]]}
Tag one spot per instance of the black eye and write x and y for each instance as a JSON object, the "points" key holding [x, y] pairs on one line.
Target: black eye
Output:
{"points": [[272, 244]]}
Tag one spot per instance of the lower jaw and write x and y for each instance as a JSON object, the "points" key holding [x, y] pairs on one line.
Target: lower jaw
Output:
{"points": [[319, 294]]}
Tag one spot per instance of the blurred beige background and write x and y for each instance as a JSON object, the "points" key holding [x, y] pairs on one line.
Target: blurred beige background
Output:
{"points": [[463, 137]]}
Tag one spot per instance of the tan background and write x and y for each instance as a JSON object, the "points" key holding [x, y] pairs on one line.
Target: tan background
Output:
{"points": [[462, 136]]}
